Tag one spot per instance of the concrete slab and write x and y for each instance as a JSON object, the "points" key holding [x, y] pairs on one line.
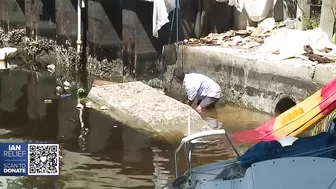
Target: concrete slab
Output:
{"points": [[143, 107]]}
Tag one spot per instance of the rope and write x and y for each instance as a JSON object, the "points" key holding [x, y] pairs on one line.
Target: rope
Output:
{"points": [[170, 35], [177, 41]]}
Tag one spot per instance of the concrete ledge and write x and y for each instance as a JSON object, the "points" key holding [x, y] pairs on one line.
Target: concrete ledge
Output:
{"points": [[250, 80], [145, 108]]}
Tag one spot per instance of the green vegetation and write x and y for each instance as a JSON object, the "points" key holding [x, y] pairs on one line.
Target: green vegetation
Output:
{"points": [[312, 22]]}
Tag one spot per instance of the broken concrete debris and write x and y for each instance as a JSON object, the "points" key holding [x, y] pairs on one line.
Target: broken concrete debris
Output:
{"points": [[274, 41], [251, 37]]}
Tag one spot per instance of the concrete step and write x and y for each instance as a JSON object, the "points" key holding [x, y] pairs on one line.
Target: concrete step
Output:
{"points": [[145, 108]]}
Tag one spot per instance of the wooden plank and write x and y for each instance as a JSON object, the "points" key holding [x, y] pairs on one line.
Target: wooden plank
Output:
{"points": [[302, 12], [328, 14]]}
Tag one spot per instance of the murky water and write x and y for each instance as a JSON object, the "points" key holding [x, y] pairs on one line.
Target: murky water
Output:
{"points": [[104, 153]]}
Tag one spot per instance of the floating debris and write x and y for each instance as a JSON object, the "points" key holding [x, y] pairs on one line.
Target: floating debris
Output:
{"points": [[59, 89], [47, 101], [81, 93], [80, 106], [88, 104], [67, 85], [65, 95]]}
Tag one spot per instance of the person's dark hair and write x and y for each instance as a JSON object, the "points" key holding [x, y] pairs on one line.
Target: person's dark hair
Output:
{"points": [[179, 74]]}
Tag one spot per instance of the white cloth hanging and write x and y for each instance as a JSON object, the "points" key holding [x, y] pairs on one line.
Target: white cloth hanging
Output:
{"points": [[161, 8], [257, 10], [239, 4]]}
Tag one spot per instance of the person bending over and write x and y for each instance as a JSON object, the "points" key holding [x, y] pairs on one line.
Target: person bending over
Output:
{"points": [[199, 86]]}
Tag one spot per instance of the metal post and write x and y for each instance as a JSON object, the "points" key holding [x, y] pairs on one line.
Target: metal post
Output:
{"points": [[177, 29], [79, 25]]}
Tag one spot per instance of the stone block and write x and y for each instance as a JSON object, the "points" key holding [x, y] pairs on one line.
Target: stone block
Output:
{"points": [[141, 106]]}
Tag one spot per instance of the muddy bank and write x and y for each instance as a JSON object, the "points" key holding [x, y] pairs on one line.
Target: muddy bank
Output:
{"points": [[40, 53]]}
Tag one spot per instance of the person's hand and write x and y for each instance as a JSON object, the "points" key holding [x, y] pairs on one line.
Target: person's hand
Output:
{"points": [[199, 109]]}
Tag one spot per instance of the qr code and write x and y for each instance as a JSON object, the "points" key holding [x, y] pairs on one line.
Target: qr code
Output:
{"points": [[43, 159]]}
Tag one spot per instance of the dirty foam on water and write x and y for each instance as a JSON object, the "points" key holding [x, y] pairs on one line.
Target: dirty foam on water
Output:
{"points": [[108, 154]]}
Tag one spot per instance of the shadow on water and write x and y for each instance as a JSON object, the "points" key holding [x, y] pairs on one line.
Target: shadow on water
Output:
{"points": [[102, 153]]}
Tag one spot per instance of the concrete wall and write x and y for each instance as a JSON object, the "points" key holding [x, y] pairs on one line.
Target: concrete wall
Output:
{"points": [[251, 82]]}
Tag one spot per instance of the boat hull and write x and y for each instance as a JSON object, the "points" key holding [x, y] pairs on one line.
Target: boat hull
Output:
{"points": [[295, 120], [289, 173]]}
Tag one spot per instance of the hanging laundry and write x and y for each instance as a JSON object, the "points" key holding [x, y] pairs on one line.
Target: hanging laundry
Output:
{"points": [[257, 10], [161, 9], [239, 4]]}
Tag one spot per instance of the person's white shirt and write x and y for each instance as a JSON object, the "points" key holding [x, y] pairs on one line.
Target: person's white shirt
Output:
{"points": [[200, 86]]}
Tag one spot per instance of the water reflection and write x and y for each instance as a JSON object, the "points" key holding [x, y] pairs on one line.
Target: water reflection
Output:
{"points": [[161, 175], [98, 152]]}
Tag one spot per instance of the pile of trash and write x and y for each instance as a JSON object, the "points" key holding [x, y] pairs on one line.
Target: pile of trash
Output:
{"points": [[313, 45], [62, 92], [242, 38], [275, 41], [249, 38]]}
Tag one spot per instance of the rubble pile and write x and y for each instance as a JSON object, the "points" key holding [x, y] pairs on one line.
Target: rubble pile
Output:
{"points": [[276, 41], [248, 38], [251, 37]]}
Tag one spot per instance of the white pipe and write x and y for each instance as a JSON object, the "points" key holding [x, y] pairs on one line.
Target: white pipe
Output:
{"points": [[79, 25], [189, 132]]}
